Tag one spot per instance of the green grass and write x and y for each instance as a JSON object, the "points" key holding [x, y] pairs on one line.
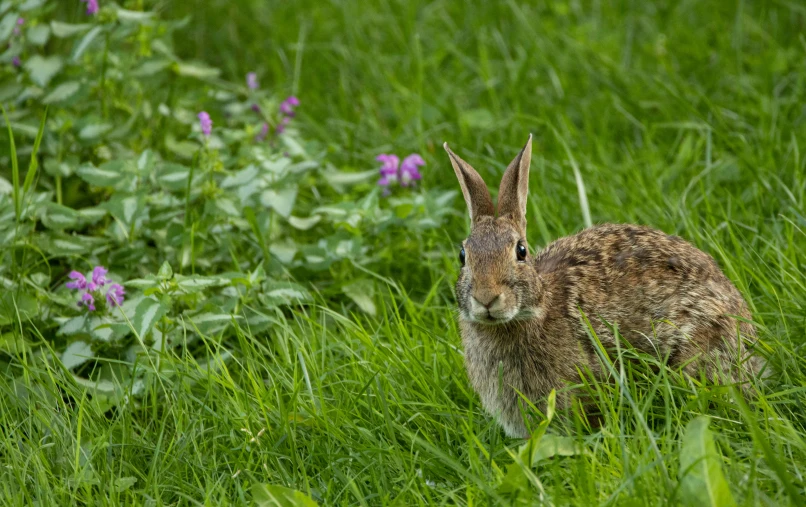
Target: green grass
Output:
{"points": [[686, 116]]}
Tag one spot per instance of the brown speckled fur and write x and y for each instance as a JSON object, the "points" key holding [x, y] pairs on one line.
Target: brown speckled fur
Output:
{"points": [[665, 296]]}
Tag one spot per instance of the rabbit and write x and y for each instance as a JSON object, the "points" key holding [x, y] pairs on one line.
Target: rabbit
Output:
{"points": [[521, 315]]}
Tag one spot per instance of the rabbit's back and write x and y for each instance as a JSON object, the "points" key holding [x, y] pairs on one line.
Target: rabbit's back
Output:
{"points": [[664, 295]]}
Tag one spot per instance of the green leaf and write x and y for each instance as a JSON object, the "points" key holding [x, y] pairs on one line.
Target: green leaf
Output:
{"points": [[73, 326], [58, 217], [63, 30], [272, 495], [278, 293], [134, 16], [39, 35], [338, 178], [701, 479], [151, 68], [61, 245], [362, 292], [304, 224], [107, 175], [76, 354], [197, 70], [282, 201], [196, 283], [165, 272], [173, 177], [124, 483], [85, 42], [41, 69], [62, 92], [94, 130], [146, 314], [476, 119], [125, 208]]}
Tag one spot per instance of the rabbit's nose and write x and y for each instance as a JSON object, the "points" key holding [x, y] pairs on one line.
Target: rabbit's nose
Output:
{"points": [[486, 300]]}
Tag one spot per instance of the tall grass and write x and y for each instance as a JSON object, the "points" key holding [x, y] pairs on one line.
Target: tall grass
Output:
{"points": [[687, 116]]}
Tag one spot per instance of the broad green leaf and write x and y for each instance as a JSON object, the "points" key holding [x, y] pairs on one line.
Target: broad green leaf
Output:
{"points": [[67, 29], [284, 251], [196, 283], [701, 479], [282, 201], [109, 174], [152, 67], [165, 272], [338, 178], [146, 314], [39, 35], [362, 293], [12, 343], [124, 483], [173, 177], [279, 293], [76, 354], [62, 92], [272, 495], [304, 224], [85, 42], [42, 69], [197, 70], [94, 130], [73, 326], [58, 217], [125, 208], [530, 454], [70, 244], [7, 25], [142, 283], [134, 16]]}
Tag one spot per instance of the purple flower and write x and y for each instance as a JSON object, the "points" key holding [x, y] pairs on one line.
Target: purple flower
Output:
{"points": [[264, 131], [88, 301], [256, 108], [79, 281], [16, 61], [92, 6], [251, 81], [388, 169], [288, 105], [282, 125], [408, 169], [99, 276], [206, 123], [20, 22], [114, 296]]}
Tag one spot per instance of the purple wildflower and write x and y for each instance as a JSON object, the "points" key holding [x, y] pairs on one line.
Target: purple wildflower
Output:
{"points": [[256, 108], [264, 131], [92, 7], [79, 281], [114, 296], [205, 123], [288, 105], [283, 124], [88, 300], [388, 169], [251, 81], [408, 169], [16, 61], [99, 276], [20, 22]]}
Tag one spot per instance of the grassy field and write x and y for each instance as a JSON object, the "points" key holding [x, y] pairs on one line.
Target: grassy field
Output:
{"points": [[685, 116]]}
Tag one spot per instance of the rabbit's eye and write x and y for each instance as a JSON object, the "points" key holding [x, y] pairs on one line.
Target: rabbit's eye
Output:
{"points": [[520, 250], [462, 256]]}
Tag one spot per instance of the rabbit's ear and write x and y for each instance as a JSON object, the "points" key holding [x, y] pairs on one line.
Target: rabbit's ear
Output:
{"points": [[515, 186], [477, 196]]}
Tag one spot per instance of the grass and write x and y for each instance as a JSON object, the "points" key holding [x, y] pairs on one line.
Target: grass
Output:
{"points": [[687, 116]]}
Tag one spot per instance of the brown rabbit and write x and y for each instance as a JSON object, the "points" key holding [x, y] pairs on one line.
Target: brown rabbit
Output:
{"points": [[520, 314]]}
